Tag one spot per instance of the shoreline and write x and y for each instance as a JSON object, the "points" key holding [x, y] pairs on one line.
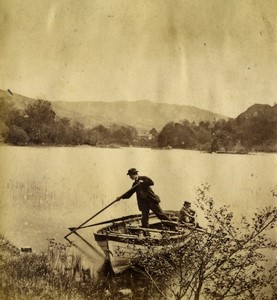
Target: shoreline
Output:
{"points": [[118, 146]]}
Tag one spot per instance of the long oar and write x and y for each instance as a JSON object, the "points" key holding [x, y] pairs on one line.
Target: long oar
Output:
{"points": [[75, 229], [107, 222]]}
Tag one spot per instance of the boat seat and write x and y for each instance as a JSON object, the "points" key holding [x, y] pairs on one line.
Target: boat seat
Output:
{"points": [[142, 229], [169, 222]]}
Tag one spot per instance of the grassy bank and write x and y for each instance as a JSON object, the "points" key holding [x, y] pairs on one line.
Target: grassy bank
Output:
{"points": [[29, 276], [56, 274]]}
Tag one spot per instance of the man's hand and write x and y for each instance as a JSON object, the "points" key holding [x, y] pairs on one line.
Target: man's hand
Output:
{"points": [[118, 199]]}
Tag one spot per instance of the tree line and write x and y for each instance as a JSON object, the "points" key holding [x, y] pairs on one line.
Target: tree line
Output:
{"points": [[38, 124], [255, 132], [234, 135]]}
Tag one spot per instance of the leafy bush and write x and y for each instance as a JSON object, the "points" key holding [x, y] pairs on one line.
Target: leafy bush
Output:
{"points": [[17, 136], [226, 261]]}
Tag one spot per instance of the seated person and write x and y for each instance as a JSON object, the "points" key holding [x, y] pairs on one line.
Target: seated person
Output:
{"points": [[187, 215]]}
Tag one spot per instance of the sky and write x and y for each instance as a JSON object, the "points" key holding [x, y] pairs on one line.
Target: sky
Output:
{"points": [[218, 55]]}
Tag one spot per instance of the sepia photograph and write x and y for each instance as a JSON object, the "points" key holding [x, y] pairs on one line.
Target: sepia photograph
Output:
{"points": [[138, 150]]}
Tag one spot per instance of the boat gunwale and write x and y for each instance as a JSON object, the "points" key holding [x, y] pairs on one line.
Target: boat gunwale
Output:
{"points": [[131, 218], [109, 233]]}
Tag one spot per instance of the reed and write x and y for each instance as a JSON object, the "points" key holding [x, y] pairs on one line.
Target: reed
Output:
{"points": [[56, 274]]}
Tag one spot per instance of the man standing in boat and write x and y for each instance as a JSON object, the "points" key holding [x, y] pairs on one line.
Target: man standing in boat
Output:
{"points": [[146, 198]]}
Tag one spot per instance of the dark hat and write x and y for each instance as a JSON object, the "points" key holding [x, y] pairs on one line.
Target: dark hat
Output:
{"points": [[187, 203], [132, 171]]}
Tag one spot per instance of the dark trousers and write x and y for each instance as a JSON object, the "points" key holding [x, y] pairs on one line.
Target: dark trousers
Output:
{"points": [[155, 207]]}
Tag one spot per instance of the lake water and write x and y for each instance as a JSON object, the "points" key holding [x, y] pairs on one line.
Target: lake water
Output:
{"points": [[46, 190]]}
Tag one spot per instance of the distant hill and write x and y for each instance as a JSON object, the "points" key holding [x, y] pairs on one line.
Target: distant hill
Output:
{"points": [[260, 110], [142, 114], [18, 100], [256, 128], [253, 130]]}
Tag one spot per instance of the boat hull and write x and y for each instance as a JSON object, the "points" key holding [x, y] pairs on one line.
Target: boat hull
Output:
{"points": [[123, 242]]}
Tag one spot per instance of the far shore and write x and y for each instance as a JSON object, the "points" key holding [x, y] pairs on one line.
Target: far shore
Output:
{"points": [[117, 146]]}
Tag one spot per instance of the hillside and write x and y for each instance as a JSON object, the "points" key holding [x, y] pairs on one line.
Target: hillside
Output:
{"points": [[18, 100], [260, 110], [43, 123], [142, 114]]}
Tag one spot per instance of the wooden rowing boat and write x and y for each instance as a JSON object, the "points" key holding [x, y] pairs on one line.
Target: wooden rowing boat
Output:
{"points": [[124, 238]]}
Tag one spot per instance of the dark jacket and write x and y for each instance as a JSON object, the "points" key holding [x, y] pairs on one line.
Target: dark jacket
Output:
{"points": [[143, 190]]}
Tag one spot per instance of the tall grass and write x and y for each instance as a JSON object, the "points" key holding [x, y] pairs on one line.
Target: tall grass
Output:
{"points": [[58, 274], [49, 275]]}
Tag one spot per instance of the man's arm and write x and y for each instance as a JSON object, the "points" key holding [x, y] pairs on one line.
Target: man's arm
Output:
{"points": [[190, 214], [144, 182], [128, 194]]}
